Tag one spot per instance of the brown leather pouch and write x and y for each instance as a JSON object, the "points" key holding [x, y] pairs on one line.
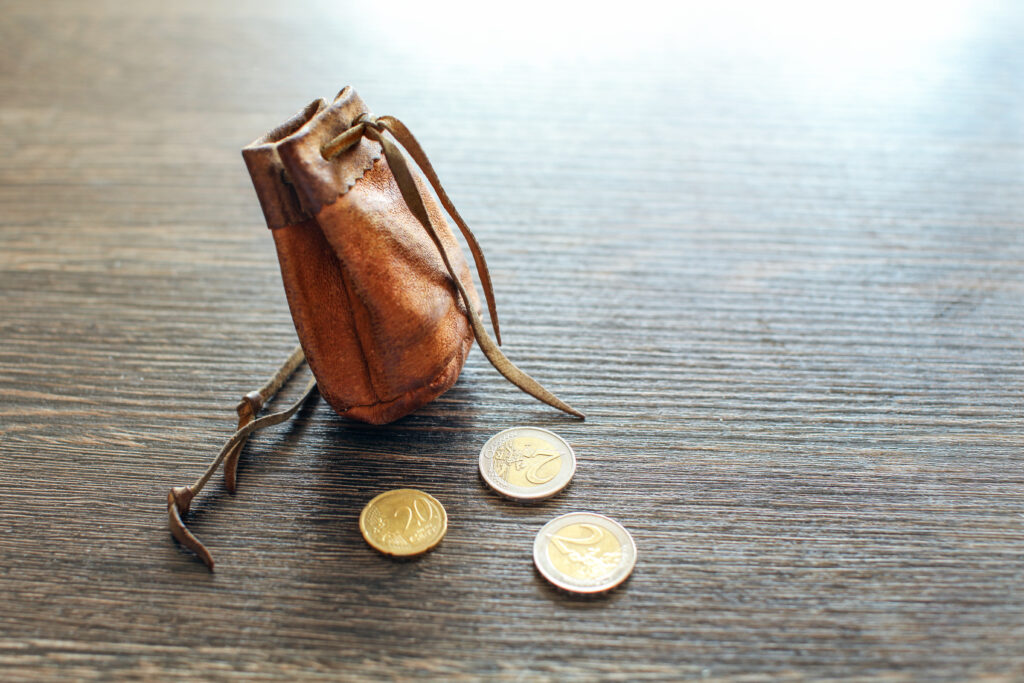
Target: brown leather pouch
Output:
{"points": [[382, 299]]}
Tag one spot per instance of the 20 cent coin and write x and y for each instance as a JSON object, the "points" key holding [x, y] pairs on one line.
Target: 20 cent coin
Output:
{"points": [[583, 552], [403, 522], [527, 463]]}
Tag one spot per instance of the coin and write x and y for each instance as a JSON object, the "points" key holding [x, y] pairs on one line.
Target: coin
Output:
{"points": [[583, 552], [527, 463], [403, 522]]}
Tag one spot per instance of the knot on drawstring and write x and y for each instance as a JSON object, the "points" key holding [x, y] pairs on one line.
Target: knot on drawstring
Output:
{"points": [[369, 119]]}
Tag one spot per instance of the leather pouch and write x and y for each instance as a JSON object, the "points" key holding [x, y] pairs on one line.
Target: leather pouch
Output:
{"points": [[381, 296]]}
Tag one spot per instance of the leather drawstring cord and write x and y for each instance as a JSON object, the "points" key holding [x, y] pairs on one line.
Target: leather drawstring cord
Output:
{"points": [[374, 128], [250, 406], [180, 498]]}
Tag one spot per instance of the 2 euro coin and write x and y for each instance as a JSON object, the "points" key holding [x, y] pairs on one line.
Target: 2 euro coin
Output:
{"points": [[583, 552], [527, 463]]}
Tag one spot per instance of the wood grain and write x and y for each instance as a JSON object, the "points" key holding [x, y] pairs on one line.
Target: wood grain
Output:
{"points": [[777, 256]]}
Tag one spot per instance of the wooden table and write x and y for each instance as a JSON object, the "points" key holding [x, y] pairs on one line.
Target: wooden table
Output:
{"points": [[775, 253]]}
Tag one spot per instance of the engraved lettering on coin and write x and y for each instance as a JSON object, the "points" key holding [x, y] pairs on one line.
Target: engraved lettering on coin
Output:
{"points": [[584, 552], [403, 522], [527, 463]]}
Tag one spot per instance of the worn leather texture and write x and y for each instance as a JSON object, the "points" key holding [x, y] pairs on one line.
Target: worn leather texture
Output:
{"points": [[376, 311]]}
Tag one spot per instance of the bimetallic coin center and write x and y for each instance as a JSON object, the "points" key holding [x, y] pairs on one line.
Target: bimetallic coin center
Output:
{"points": [[584, 551], [527, 461]]}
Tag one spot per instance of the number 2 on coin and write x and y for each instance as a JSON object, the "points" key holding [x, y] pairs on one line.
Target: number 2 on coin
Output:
{"points": [[595, 534], [533, 474]]}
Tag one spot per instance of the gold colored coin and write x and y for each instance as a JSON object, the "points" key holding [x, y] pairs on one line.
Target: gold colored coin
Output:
{"points": [[583, 552], [527, 463], [403, 522]]}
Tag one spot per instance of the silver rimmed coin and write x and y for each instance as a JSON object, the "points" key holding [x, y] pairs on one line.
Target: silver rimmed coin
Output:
{"points": [[527, 463], [583, 552]]}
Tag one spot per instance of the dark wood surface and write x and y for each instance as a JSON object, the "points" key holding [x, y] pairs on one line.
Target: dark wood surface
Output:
{"points": [[775, 253]]}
